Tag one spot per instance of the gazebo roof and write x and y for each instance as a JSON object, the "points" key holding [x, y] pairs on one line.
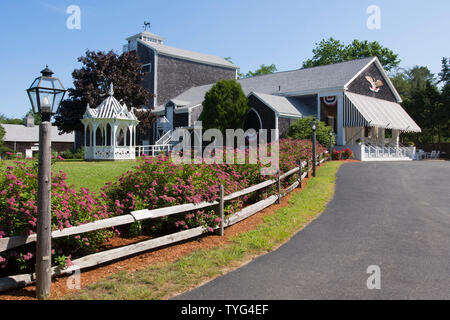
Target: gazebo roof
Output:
{"points": [[110, 108]]}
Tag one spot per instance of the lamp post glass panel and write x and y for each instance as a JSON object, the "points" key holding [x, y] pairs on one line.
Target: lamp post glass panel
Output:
{"points": [[314, 128], [45, 93]]}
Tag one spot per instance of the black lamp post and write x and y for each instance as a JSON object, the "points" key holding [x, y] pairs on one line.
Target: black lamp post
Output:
{"points": [[331, 134], [45, 93], [314, 128]]}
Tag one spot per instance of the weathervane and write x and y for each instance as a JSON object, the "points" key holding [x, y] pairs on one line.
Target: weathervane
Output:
{"points": [[146, 24]]}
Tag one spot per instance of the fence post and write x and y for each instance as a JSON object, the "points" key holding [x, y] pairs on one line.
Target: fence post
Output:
{"points": [[299, 164], [279, 187], [221, 209], [300, 174]]}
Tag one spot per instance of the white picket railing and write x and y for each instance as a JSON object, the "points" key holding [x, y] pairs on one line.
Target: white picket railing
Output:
{"points": [[153, 150], [165, 138], [371, 151]]}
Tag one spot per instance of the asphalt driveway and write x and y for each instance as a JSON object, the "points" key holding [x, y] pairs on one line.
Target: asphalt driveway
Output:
{"points": [[394, 215]]}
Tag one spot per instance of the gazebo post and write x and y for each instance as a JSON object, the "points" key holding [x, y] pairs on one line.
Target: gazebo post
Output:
{"points": [[114, 141], [111, 134], [130, 128], [90, 136], [94, 139], [102, 130], [84, 140]]}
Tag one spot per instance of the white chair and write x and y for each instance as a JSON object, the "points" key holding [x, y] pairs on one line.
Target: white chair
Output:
{"points": [[420, 154], [431, 155]]}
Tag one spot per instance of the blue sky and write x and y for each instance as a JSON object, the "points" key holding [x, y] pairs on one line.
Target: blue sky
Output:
{"points": [[252, 32]]}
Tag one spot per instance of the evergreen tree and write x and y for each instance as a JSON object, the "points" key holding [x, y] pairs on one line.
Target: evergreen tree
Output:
{"points": [[225, 106]]}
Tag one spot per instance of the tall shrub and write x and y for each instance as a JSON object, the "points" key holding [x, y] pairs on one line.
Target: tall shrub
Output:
{"points": [[301, 129], [225, 106]]}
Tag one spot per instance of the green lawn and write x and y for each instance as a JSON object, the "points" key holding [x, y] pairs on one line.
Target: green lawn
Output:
{"points": [[90, 174], [163, 280]]}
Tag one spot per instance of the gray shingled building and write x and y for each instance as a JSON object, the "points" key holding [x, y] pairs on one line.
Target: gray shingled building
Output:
{"points": [[356, 98], [170, 71]]}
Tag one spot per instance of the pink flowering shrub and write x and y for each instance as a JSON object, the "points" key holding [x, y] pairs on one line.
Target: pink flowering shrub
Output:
{"points": [[292, 150], [155, 183], [158, 182], [18, 214]]}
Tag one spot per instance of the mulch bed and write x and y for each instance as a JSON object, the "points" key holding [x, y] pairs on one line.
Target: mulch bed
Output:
{"points": [[170, 253]]}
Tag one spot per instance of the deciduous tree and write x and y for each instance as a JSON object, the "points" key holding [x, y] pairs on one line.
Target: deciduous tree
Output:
{"points": [[330, 51], [91, 83], [262, 70]]}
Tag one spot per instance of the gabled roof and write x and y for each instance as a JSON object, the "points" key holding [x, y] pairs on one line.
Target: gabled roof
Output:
{"points": [[295, 82], [282, 106], [110, 108], [189, 55], [21, 133]]}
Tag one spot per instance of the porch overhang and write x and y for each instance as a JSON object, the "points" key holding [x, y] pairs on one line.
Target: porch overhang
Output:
{"points": [[364, 111]]}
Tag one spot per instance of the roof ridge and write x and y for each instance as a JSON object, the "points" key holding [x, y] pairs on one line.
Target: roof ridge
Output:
{"points": [[155, 47], [332, 64], [308, 68]]}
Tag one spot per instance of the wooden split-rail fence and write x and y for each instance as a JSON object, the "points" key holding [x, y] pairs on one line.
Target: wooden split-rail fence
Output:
{"points": [[11, 282]]}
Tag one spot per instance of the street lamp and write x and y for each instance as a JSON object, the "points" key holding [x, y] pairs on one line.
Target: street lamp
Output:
{"points": [[45, 93], [331, 134], [314, 128]]}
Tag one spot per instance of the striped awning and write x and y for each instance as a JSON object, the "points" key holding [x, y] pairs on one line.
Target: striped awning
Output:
{"points": [[364, 111]]}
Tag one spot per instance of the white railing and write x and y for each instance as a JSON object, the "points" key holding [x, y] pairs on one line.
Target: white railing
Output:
{"points": [[375, 151], [152, 150], [165, 138], [109, 153]]}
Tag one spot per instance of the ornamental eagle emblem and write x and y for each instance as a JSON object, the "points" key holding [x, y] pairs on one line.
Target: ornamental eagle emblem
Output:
{"points": [[374, 84]]}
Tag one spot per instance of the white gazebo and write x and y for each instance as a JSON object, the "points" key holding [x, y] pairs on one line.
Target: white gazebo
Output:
{"points": [[109, 131]]}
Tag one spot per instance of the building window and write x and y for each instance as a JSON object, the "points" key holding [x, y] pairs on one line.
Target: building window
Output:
{"points": [[146, 67]]}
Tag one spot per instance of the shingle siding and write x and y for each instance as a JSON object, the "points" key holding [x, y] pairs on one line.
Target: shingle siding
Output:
{"points": [[147, 55], [175, 76], [283, 126], [361, 86]]}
